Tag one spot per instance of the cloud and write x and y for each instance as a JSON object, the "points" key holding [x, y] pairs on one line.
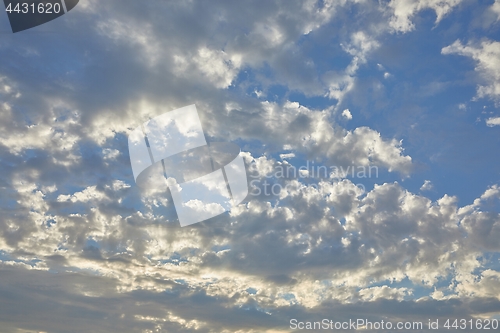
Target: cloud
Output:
{"points": [[403, 10], [487, 55], [83, 249], [495, 7], [220, 70], [347, 114], [493, 121], [427, 186], [389, 236], [359, 47]]}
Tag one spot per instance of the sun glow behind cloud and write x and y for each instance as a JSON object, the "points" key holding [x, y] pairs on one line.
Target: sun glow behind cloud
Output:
{"points": [[76, 233]]}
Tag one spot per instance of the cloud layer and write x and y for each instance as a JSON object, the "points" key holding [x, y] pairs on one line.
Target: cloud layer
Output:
{"points": [[82, 248]]}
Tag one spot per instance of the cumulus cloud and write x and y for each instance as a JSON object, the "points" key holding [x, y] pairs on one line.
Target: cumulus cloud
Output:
{"points": [[388, 234], [314, 133], [403, 10], [487, 55], [78, 234], [359, 47], [347, 114], [427, 186], [493, 121]]}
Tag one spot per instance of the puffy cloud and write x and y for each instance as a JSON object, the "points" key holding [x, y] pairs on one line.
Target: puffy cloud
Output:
{"points": [[493, 121], [487, 57], [427, 186], [402, 12], [77, 233], [495, 7], [219, 69], [322, 243], [385, 292], [347, 114], [359, 47], [314, 133]]}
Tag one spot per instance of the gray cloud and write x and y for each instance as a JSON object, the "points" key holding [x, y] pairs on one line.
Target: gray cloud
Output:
{"points": [[83, 249]]}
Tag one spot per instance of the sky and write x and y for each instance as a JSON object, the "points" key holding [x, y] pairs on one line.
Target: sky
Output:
{"points": [[403, 96]]}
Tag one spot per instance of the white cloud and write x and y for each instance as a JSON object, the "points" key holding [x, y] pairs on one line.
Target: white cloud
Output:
{"points": [[487, 57], [88, 194], [314, 133], [493, 121], [120, 257], [427, 186], [384, 292], [389, 234], [217, 66], [403, 11], [495, 7], [360, 46], [347, 114], [110, 154], [340, 85], [287, 156]]}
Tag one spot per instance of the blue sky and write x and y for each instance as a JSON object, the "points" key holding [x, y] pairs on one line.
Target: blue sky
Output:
{"points": [[410, 88]]}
